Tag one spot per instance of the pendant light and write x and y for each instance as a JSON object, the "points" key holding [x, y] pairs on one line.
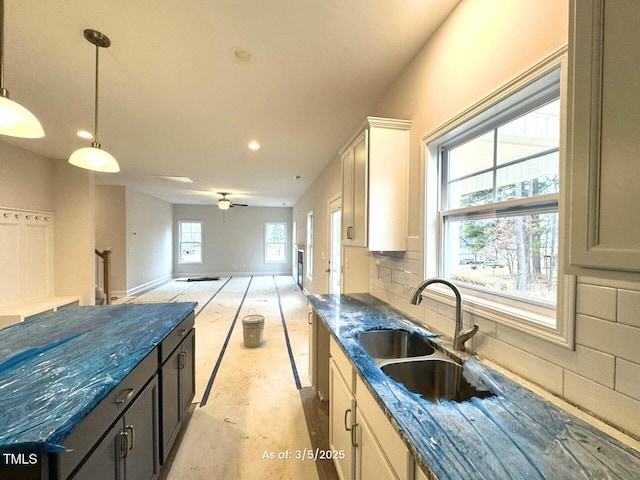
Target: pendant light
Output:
{"points": [[93, 157], [15, 120]]}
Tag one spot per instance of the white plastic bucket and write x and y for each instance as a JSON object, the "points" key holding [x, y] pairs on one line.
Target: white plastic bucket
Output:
{"points": [[252, 328]]}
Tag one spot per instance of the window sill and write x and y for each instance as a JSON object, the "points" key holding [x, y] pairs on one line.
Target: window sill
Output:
{"points": [[556, 328]]}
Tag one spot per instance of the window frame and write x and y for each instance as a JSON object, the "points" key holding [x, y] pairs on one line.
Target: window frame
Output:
{"points": [[180, 242], [507, 208], [285, 258], [533, 318]]}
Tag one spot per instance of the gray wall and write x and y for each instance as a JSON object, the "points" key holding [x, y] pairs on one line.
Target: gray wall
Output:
{"points": [[233, 241], [149, 224]]}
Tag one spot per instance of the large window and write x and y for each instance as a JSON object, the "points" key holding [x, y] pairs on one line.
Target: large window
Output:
{"points": [[500, 205], [492, 226], [275, 242], [190, 249]]}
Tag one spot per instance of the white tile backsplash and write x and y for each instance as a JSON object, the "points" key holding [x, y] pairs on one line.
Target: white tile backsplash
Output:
{"points": [[629, 307], [628, 378], [611, 406], [597, 301], [613, 338], [602, 374]]}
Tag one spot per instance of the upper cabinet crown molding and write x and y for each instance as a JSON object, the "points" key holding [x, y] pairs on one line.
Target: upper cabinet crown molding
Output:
{"points": [[375, 165], [604, 147]]}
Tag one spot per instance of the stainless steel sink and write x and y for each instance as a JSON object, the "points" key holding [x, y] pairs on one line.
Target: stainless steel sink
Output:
{"points": [[387, 343], [434, 379]]}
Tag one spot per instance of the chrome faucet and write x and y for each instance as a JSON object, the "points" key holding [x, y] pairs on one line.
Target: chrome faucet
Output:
{"points": [[459, 336]]}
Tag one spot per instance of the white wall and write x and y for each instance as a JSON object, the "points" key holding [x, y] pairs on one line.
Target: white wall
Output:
{"points": [[111, 232], [233, 241], [74, 235], [25, 179], [328, 185], [149, 224]]}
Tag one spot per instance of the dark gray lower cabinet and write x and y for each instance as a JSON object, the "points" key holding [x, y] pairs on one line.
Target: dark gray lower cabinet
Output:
{"points": [[129, 450], [177, 378]]}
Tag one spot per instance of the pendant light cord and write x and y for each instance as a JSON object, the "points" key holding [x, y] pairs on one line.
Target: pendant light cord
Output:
{"points": [[95, 143], [3, 92]]}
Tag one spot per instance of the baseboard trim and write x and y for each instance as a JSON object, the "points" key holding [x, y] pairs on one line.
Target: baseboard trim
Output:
{"points": [[145, 287], [230, 274]]}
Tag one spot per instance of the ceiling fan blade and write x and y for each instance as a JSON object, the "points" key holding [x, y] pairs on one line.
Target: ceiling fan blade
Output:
{"points": [[239, 205]]}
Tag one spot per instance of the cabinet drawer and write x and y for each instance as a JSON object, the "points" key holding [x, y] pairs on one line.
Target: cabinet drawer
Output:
{"points": [[173, 339], [391, 444], [88, 432], [342, 362]]}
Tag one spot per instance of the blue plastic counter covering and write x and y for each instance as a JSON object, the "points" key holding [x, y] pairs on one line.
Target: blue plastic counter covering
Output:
{"points": [[512, 435], [55, 368]]}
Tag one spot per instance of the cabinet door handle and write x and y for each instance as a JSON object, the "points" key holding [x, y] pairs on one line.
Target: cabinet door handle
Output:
{"points": [[349, 233], [309, 319], [182, 359], [346, 412], [354, 439], [129, 394], [183, 332], [124, 444], [133, 436]]}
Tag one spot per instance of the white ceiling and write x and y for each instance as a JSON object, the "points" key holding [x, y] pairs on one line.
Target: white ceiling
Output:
{"points": [[175, 100]]}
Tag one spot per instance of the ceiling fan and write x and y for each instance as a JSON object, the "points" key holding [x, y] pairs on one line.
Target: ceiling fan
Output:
{"points": [[224, 203]]}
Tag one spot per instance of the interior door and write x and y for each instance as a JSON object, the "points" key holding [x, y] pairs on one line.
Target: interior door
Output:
{"points": [[335, 245]]}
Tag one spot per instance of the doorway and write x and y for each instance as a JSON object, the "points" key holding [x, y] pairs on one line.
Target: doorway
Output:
{"points": [[335, 245]]}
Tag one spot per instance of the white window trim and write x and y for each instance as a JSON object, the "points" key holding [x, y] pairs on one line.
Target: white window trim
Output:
{"points": [[530, 320], [286, 248], [309, 252], [180, 222]]}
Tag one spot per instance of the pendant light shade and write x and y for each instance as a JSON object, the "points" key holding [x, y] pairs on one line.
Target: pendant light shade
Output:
{"points": [[15, 120], [93, 157]]}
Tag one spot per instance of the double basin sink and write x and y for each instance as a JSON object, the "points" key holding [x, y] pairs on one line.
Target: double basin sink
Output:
{"points": [[412, 360]]}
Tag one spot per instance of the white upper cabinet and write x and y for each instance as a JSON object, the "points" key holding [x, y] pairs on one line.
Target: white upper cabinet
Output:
{"points": [[604, 141], [375, 165]]}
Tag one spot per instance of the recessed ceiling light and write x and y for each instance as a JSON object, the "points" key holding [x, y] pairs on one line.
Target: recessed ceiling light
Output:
{"points": [[84, 134], [254, 146], [169, 178]]}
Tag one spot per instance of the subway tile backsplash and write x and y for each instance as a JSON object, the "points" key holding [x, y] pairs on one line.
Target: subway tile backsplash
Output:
{"points": [[602, 374]]}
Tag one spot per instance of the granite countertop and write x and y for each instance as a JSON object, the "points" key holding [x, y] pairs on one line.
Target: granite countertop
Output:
{"points": [[513, 434], [55, 368]]}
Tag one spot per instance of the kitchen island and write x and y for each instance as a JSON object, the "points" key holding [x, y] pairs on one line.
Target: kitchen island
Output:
{"points": [[512, 434], [95, 392]]}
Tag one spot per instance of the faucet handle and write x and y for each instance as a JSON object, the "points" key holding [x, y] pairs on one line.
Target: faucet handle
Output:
{"points": [[463, 336]]}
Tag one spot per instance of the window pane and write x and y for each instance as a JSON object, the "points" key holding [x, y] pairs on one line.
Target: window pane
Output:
{"points": [[530, 134], [275, 232], [275, 252], [471, 157], [190, 252], [538, 176], [477, 190], [515, 254]]}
